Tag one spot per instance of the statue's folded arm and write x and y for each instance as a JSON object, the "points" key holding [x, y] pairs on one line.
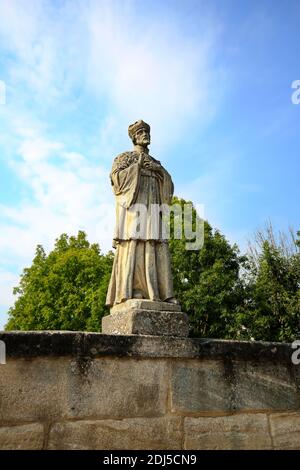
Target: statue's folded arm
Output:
{"points": [[125, 182]]}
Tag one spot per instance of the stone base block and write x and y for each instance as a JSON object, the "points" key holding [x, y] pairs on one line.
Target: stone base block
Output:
{"points": [[136, 317], [145, 304]]}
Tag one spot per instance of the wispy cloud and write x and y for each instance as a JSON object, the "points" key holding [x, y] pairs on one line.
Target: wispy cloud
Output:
{"points": [[67, 193], [149, 68], [141, 66]]}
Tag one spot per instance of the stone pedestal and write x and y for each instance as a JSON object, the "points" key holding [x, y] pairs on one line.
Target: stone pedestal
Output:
{"points": [[146, 317]]}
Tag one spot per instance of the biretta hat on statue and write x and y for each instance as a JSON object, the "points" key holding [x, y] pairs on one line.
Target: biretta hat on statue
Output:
{"points": [[137, 126]]}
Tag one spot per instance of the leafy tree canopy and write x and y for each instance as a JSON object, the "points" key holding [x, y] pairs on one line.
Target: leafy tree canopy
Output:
{"points": [[207, 281], [65, 290], [272, 307]]}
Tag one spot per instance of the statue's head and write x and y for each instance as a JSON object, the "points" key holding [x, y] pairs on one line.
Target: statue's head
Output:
{"points": [[139, 132]]}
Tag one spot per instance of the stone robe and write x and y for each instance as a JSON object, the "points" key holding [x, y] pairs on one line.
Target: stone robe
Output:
{"points": [[142, 265]]}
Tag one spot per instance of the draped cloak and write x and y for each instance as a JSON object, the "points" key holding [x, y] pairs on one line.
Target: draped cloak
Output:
{"points": [[142, 260]]}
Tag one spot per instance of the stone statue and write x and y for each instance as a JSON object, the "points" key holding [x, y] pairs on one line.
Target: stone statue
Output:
{"points": [[142, 268], [140, 291]]}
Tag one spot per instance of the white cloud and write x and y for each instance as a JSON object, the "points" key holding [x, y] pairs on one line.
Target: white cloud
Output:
{"points": [[143, 66], [68, 193], [34, 150], [150, 70], [7, 281]]}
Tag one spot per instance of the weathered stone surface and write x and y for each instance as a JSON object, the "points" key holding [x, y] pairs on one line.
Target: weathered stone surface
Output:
{"points": [[33, 390], [264, 386], [242, 431], [199, 387], [146, 322], [230, 386], [285, 429], [117, 388], [24, 437], [30, 344], [45, 389], [142, 381], [138, 433], [145, 304], [97, 345]]}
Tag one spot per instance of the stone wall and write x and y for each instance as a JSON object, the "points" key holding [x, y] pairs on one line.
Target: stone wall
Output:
{"points": [[68, 390]]}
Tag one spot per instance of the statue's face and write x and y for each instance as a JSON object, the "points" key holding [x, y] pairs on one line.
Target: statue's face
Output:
{"points": [[142, 137]]}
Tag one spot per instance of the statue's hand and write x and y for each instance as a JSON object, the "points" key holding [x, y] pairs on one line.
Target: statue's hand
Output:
{"points": [[153, 167]]}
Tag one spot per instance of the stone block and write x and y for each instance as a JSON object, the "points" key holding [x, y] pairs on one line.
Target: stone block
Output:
{"points": [[33, 389], [146, 322], [263, 386], [117, 388], [285, 429], [133, 434], [24, 437], [229, 386], [235, 432], [199, 386], [48, 388]]}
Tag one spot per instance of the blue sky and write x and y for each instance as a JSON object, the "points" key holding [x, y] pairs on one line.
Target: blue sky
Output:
{"points": [[213, 78]]}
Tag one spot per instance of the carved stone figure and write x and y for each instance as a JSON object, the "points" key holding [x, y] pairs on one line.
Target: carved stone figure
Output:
{"points": [[142, 268]]}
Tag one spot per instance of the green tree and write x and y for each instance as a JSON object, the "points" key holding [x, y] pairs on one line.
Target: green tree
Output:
{"points": [[272, 309], [65, 290], [208, 281]]}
